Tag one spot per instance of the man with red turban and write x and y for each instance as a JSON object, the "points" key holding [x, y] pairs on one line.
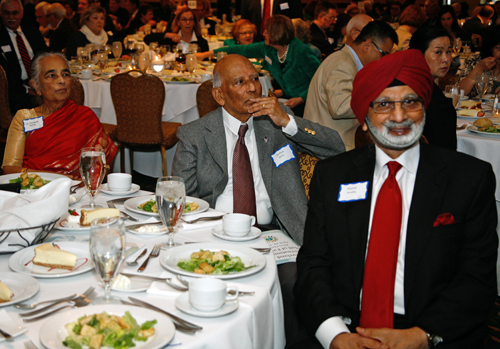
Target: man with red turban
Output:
{"points": [[400, 245]]}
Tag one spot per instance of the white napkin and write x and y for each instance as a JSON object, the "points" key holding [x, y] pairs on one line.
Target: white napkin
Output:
{"points": [[169, 57], [460, 124], [202, 224], [160, 288], [31, 209]]}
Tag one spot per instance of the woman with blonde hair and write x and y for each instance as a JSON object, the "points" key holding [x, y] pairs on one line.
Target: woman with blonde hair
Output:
{"points": [[91, 32], [412, 18]]}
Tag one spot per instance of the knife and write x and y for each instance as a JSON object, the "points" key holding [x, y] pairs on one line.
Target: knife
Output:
{"points": [[147, 277], [130, 251], [178, 319], [6, 335], [135, 226], [112, 205]]}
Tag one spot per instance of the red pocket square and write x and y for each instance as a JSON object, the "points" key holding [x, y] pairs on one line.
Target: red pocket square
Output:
{"points": [[444, 219]]}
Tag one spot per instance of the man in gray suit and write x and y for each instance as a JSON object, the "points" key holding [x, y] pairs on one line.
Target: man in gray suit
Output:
{"points": [[274, 138]]}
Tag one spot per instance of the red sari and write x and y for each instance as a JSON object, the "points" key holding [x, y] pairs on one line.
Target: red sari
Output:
{"points": [[56, 146]]}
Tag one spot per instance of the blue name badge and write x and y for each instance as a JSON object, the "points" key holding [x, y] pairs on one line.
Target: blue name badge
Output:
{"points": [[33, 124], [353, 192], [282, 155]]}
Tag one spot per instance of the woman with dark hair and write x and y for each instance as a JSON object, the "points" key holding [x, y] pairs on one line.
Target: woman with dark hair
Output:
{"points": [[487, 62], [91, 32], [243, 33], [448, 20], [441, 116], [145, 15], [289, 60]]}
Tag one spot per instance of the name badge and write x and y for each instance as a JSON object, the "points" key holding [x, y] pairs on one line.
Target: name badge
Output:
{"points": [[268, 60], [284, 6], [330, 40], [192, 4], [33, 124], [282, 155], [6, 48], [353, 191]]}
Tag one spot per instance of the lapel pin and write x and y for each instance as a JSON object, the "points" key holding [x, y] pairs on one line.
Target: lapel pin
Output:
{"points": [[265, 139]]}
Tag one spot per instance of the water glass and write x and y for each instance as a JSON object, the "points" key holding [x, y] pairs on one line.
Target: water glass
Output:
{"points": [[191, 62], [482, 82], [117, 49], [83, 55], [107, 248], [92, 170], [144, 61], [170, 201], [102, 60]]}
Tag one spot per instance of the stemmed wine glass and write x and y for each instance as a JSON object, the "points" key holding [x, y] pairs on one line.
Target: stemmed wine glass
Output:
{"points": [[457, 45], [482, 82], [102, 60], [144, 61], [170, 201], [92, 170], [117, 49], [107, 248]]}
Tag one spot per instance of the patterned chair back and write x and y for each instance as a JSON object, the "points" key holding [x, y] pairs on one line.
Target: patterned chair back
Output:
{"points": [[5, 116], [307, 163], [77, 91], [138, 103], [204, 99]]}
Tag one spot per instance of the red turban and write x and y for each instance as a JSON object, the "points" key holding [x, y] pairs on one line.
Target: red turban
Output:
{"points": [[409, 67]]}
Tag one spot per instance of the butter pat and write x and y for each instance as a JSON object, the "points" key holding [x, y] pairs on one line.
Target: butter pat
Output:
{"points": [[121, 282]]}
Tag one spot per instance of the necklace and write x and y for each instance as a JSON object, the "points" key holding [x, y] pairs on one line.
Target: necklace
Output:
{"points": [[283, 58]]}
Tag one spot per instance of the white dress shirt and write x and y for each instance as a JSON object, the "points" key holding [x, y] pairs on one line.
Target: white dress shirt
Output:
{"points": [[359, 65], [405, 177], [13, 38], [224, 202], [185, 45]]}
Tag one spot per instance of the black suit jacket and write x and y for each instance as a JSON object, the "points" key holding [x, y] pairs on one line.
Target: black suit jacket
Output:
{"points": [[18, 98], [320, 40], [450, 270], [441, 120], [60, 36]]}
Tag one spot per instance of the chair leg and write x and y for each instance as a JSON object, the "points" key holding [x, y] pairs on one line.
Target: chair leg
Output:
{"points": [[164, 161]]}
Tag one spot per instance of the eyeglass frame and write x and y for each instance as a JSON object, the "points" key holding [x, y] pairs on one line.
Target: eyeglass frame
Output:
{"points": [[393, 105], [187, 20], [379, 49]]}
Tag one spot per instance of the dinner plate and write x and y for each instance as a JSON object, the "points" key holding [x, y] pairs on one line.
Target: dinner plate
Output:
{"points": [[53, 331], [63, 224], [487, 114], [10, 326], [168, 81], [137, 284], [133, 189], [489, 97], [45, 176], [474, 129], [21, 261], [23, 287], [182, 303], [161, 230], [133, 204], [253, 234], [247, 255]]}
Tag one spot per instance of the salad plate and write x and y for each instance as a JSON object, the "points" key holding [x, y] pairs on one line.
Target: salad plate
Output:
{"points": [[53, 331], [475, 130], [248, 256], [10, 326], [21, 261], [134, 203], [134, 188], [182, 303], [23, 287], [63, 223], [44, 175], [219, 232]]}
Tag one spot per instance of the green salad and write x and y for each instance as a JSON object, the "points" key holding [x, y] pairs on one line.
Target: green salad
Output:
{"points": [[32, 181], [178, 79], [214, 263], [150, 206], [104, 330], [491, 129]]}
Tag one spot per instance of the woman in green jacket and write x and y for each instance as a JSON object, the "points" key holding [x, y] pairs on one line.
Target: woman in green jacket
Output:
{"points": [[290, 62]]}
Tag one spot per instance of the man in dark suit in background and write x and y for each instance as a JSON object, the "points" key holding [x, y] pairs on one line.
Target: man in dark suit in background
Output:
{"points": [[18, 46], [325, 15], [400, 245], [62, 28]]}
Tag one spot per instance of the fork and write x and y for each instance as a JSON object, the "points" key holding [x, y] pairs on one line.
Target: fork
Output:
{"points": [[73, 188], [263, 250], [79, 302], [213, 218], [34, 305], [83, 295], [155, 253], [29, 344], [111, 204]]}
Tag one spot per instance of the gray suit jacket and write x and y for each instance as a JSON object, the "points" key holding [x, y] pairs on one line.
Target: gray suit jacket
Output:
{"points": [[201, 160]]}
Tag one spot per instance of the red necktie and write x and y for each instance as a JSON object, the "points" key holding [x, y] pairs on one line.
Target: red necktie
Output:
{"points": [[377, 303], [23, 51], [265, 15], [243, 186]]}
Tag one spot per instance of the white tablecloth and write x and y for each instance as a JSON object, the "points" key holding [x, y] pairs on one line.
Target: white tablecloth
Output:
{"points": [[258, 322]]}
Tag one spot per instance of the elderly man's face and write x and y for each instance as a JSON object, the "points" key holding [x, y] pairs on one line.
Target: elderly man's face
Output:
{"points": [[55, 80], [400, 128], [240, 82], [40, 17], [12, 14]]}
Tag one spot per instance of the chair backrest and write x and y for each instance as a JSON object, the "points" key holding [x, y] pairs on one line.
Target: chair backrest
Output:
{"points": [[138, 102], [77, 91], [307, 163], [204, 99], [5, 115]]}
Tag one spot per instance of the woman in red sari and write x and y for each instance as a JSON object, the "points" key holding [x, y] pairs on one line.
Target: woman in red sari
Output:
{"points": [[49, 138]]}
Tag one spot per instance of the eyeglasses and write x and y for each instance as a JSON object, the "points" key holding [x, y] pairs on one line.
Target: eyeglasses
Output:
{"points": [[379, 50], [387, 107], [330, 18], [187, 20], [9, 13], [247, 33]]}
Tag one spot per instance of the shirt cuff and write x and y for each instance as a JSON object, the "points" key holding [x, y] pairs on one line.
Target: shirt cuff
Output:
{"points": [[329, 329], [290, 129]]}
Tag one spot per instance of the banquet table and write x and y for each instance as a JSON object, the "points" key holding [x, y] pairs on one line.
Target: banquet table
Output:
{"points": [[257, 323]]}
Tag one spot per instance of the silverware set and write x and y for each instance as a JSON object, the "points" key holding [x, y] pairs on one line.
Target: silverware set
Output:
{"points": [[154, 253], [29, 344]]}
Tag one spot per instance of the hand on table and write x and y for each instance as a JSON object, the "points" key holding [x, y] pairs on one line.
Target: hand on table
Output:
{"points": [[355, 341], [269, 106], [412, 338], [293, 102]]}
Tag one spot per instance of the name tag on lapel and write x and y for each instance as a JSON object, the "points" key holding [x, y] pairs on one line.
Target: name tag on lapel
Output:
{"points": [[33, 124], [6, 48], [353, 192], [282, 155], [284, 6], [268, 60]]}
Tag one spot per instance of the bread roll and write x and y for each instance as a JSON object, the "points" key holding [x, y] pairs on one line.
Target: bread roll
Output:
{"points": [[483, 122]]}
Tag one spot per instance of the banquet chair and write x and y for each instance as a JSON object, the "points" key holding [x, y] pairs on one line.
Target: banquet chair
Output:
{"points": [[204, 99], [5, 115], [307, 163], [138, 103], [77, 91]]}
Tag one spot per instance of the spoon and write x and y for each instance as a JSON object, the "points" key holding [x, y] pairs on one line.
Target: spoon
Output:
{"points": [[134, 263]]}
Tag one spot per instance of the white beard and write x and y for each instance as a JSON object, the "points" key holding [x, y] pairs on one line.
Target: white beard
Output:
{"points": [[384, 138]]}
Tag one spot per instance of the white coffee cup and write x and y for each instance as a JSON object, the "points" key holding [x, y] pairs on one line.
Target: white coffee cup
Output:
{"points": [[237, 224], [86, 74], [207, 294], [206, 77], [119, 181]]}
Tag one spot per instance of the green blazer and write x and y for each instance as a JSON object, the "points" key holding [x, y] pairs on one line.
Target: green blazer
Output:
{"points": [[295, 75]]}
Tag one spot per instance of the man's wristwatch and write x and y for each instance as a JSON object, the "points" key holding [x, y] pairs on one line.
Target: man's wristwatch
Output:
{"points": [[433, 340]]}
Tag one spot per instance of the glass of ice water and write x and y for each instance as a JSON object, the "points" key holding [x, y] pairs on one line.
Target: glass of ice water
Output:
{"points": [[92, 170], [170, 201], [107, 248]]}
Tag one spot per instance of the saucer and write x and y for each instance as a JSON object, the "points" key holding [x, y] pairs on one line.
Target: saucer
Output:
{"points": [[219, 232], [182, 303], [133, 188]]}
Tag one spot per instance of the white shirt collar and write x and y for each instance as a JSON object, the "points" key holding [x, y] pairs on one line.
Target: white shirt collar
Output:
{"points": [[409, 159], [234, 124], [359, 65], [193, 37], [13, 32]]}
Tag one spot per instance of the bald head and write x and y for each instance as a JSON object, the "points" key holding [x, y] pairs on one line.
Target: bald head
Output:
{"points": [[223, 66], [354, 27]]}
